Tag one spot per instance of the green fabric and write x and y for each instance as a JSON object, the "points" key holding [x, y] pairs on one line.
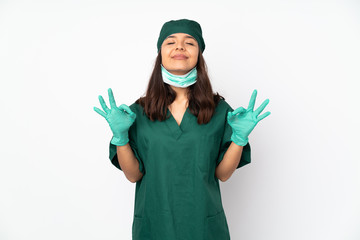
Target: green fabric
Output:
{"points": [[190, 27], [243, 121], [178, 196], [182, 81]]}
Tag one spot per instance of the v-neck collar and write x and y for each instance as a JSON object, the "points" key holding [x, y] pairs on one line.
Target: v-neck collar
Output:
{"points": [[175, 128]]}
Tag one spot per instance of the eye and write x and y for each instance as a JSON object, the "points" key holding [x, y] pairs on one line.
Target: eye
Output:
{"points": [[170, 43], [191, 44]]}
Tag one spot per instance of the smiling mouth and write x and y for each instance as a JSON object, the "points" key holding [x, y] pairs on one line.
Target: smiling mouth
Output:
{"points": [[180, 57]]}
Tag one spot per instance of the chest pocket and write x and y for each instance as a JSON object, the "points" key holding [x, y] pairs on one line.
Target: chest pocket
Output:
{"points": [[208, 152]]}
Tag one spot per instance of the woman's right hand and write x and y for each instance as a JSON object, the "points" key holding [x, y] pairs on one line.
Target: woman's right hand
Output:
{"points": [[119, 118]]}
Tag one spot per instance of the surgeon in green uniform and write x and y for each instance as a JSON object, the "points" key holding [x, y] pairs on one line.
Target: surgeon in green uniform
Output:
{"points": [[178, 141]]}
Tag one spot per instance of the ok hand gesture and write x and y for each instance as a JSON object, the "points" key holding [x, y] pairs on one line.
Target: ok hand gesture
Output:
{"points": [[120, 119], [243, 121]]}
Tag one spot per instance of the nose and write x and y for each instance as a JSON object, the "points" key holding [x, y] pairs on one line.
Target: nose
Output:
{"points": [[179, 45]]}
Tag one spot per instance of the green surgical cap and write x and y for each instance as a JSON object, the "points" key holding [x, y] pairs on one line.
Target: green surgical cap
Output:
{"points": [[181, 26]]}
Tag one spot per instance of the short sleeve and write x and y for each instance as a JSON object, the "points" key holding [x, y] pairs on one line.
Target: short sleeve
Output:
{"points": [[226, 141], [133, 145]]}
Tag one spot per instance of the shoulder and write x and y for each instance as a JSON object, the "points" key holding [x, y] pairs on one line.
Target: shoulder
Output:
{"points": [[136, 108], [224, 106], [221, 111]]}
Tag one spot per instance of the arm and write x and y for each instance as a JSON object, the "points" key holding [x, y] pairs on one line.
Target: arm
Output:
{"points": [[229, 163], [128, 163], [120, 119], [242, 122]]}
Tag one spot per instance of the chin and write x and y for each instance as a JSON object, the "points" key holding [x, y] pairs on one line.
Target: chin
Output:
{"points": [[180, 66]]}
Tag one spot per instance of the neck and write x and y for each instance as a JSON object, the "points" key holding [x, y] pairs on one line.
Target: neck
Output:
{"points": [[178, 72], [181, 93]]}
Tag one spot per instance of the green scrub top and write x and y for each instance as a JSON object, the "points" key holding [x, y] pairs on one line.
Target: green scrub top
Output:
{"points": [[178, 196]]}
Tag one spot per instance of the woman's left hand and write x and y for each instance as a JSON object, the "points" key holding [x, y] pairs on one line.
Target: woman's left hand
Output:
{"points": [[243, 121]]}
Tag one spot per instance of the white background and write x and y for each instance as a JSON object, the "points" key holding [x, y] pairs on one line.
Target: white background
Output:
{"points": [[56, 57]]}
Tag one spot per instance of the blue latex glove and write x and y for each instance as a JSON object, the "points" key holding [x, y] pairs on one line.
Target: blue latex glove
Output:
{"points": [[119, 118], [243, 121]]}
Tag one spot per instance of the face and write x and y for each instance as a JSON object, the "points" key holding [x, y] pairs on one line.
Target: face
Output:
{"points": [[179, 53]]}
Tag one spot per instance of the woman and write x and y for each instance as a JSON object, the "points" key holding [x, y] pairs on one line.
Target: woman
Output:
{"points": [[178, 140]]}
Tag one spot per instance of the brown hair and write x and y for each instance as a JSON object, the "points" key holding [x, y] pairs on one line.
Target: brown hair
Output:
{"points": [[159, 95]]}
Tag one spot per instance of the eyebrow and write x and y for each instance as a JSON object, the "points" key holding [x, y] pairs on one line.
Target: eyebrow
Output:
{"points": [[187, 36]]}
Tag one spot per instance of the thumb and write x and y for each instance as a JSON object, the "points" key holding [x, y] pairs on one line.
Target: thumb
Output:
{"points": [[238, 110], [127, 109]]}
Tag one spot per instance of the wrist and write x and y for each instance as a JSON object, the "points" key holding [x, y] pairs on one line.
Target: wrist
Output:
{"points": [[239, 140], [120, 139]]}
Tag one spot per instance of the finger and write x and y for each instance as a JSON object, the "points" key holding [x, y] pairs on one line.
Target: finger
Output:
{"points": [[100, 112], [103, 104], [262, 116], [229, 115], [128, 110], [252, 100], [261, 108], [111, 98], [238, 110]]}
